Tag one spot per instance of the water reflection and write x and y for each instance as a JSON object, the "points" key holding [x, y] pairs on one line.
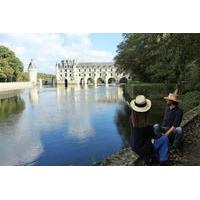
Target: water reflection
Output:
{"points": [[76, 103], [19, 140], [122, 123], [33, 95], [11, 105], [60, 125]]}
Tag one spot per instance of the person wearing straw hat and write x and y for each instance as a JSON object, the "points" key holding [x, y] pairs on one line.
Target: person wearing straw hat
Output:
{"points": [[172, 119], [142, 133]]}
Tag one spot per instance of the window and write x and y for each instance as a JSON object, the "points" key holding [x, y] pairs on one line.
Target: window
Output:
{"points": [[89, 70], [79, 74], [70, 74], [85, 70], [79, 70], [111, 74], [100, 74], [65, 74], [61, 75], [89, 74]]}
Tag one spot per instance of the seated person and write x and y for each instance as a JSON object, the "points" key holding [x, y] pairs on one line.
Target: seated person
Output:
{"points": [[142, 133], [171, 121]]}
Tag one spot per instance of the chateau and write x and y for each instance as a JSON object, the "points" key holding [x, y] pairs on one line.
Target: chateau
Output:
{"points": [[72, 72]]}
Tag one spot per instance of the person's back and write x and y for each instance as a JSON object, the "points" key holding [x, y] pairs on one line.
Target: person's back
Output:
{"points": [[142, 133]]}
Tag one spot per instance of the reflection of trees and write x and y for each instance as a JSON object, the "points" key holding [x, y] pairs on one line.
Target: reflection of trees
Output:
{"points": [[10, 106], [122, 123]]}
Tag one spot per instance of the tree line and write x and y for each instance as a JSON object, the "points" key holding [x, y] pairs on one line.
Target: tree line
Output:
{"points": [[160, 57]]}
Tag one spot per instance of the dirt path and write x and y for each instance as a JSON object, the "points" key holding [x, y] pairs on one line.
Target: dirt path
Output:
{"points": [[191, 146]]}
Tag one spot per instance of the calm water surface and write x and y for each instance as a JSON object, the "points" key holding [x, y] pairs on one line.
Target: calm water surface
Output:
{"points": [[62, 126]]}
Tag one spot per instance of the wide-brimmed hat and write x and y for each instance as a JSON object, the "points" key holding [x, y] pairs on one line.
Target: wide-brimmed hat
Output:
{"points": [[173, 96], [140, 104]]}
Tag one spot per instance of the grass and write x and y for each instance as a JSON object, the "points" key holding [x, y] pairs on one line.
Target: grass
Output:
{"points": [[190, 100]]}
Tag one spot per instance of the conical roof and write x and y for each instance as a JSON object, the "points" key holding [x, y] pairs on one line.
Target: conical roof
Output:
{"points": [[31, 65]]}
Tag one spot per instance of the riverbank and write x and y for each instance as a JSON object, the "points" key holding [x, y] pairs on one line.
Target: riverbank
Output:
{"points": [[188, 156], [7, 86]]}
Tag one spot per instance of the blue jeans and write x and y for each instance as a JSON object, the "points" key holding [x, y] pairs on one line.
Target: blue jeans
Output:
{"points": [[176, 134], [161, 146]]}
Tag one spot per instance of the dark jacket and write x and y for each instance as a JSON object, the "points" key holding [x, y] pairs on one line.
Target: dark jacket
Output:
{"points": [[140, 140], [172, 117]]}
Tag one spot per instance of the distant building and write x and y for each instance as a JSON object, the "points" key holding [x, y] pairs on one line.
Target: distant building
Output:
{"points": [[72, 72], [32, 69]]}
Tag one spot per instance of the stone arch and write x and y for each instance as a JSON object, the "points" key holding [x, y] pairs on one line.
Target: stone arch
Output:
{"points": [[82, 81], [66, 82], [90, 81], [123, 80], [100, 81], [111, 80]]}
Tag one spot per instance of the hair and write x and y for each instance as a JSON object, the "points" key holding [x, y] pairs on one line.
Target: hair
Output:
{"points": [[139, 120]]}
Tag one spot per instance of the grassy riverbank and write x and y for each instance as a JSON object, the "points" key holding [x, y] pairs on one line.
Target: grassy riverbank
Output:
{"points": [[190, 100]]}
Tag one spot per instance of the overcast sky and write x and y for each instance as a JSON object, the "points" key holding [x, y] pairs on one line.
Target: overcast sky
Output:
{"points": [[47, 49]]}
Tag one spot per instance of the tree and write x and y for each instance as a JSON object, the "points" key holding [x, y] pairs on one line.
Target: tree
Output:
{"points": [[10, 66], [158, 57]]}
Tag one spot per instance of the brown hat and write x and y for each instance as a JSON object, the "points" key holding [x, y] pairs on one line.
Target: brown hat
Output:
{"points": [[173, 96]]}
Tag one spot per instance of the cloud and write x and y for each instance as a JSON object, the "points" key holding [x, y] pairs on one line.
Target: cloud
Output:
{"points": [[47, 49]]}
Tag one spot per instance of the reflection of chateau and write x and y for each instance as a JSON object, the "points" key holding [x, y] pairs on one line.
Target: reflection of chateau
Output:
{"points": [[33, 95], [71, 72], [76, 103]]}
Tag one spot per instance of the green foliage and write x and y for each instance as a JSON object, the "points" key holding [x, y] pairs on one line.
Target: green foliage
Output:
{"points": [[159, 57], [190, 100], [44, 76], [23, 77], [10, 66], [10, 106]]}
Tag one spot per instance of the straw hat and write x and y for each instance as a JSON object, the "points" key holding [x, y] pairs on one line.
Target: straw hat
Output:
{"points": [[173, 96], [140, 104]]}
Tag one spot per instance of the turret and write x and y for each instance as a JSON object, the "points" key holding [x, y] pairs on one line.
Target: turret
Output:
{"points": [[32, 69]]}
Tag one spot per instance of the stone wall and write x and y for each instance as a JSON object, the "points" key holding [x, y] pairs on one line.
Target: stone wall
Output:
{"points": [[14, 86]]}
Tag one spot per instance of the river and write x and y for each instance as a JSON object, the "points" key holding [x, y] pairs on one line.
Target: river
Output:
{"points": [[64, 126]]}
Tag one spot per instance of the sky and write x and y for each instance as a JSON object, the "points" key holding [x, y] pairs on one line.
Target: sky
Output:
{"points": [[46, 49]]}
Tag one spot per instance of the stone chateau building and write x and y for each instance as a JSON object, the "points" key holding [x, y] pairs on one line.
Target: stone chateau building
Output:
{"points": [[72, 72]]}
